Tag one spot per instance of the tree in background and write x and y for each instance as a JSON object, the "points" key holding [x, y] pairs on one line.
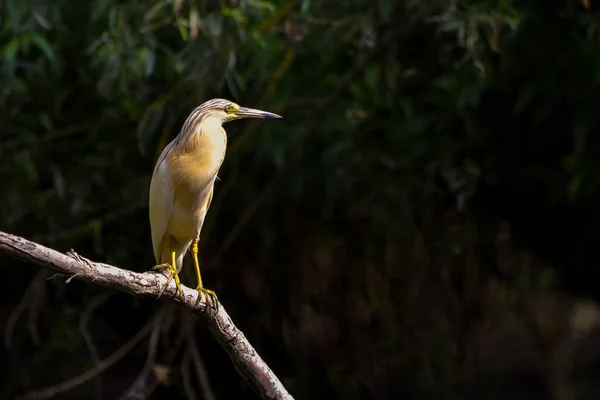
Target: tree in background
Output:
{"points": [[422, 211]]}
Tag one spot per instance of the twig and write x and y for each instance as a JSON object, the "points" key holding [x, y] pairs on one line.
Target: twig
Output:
{"points": [[244, 220], [245, 358], [199, 367], [39, 290], [140, 382], [89, 340], [201, 373], [52, 391], [190, 393], [21, 307]]}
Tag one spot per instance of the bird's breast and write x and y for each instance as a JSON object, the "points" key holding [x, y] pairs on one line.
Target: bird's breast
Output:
{"points": [[193, 171], [196, 167]]}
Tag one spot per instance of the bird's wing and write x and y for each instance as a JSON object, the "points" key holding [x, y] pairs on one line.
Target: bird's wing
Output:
{"points": [[161, 201], [164, 153], [206, 206], [210, 195]]}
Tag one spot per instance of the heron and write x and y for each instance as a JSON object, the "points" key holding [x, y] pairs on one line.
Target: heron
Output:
{"points": [[182, 187]]}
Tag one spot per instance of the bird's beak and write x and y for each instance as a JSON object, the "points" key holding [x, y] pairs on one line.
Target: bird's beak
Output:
{"points": [[244, 112]]}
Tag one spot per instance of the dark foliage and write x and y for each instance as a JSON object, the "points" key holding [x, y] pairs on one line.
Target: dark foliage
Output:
{"points": [[423, 223]]}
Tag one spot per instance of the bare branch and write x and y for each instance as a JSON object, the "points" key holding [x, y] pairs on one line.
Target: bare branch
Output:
{"points": [[247, 361], [89, 340], [140, 383], [25, 302], [52, 391], [190, 393], [200, 367]]}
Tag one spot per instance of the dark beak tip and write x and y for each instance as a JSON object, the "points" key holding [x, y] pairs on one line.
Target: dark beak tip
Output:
{"points": [[270, 115]]}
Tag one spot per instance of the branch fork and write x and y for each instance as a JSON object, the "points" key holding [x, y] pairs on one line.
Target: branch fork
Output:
{"points": [[148, 284]]}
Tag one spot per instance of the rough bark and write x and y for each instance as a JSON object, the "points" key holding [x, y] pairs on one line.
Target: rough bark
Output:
{"points": [[247, 361]]}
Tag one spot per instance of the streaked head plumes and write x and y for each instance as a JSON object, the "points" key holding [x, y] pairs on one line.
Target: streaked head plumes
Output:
{"points": [[225, 111]]}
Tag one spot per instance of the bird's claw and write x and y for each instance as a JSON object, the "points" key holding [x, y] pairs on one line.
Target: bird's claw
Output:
{"points": [[212, 303], [173, 274], [160, 267]]}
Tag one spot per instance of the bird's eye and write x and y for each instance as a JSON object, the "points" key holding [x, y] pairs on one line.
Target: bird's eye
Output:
{"points": [[229, 109]]}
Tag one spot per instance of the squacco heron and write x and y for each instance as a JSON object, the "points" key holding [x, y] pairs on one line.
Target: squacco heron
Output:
{"points": [[182, 187]]}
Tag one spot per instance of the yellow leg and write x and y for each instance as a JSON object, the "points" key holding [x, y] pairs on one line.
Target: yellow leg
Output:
{"points": [[211, 297], [173, 268]]}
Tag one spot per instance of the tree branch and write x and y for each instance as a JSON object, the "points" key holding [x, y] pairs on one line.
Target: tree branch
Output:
{"points": [[246, 360]]}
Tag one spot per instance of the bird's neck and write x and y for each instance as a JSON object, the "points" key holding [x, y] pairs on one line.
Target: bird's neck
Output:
{"points": [[202, 153], [207, 135]]}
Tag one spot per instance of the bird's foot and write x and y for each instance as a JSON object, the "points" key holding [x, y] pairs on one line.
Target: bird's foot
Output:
{"points": [[173, 274], [212, 303]]}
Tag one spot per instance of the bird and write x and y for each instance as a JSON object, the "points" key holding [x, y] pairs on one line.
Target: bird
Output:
{"points": [[182, 186]]}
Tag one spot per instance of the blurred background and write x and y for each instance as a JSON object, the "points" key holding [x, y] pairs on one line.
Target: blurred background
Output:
{"points": [[422, 224]]}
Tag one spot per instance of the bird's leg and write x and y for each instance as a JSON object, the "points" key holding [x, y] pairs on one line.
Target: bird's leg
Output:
{"points": [[173, 268], [211, 297], [158, 268]]}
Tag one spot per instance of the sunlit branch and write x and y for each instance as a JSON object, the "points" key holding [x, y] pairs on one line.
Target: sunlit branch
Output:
{"points": [[247, 361]]}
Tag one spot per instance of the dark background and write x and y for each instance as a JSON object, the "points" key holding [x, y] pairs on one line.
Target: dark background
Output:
{"points": [[423, 223]]}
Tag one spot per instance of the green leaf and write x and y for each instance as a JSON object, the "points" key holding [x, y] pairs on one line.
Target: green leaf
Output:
{"points": [[372, 76], [234, 13], [147, 127], [43, 45], [574, 187], [268, 6], [183, 29], [305, 7], [112, 18], [45, 121], [153, 11], [59, 183], [11, 50], [99, 8], [150, 62], [385, 9]]}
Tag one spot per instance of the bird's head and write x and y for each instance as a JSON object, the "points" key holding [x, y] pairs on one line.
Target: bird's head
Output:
{"points": [[226, 111]]}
